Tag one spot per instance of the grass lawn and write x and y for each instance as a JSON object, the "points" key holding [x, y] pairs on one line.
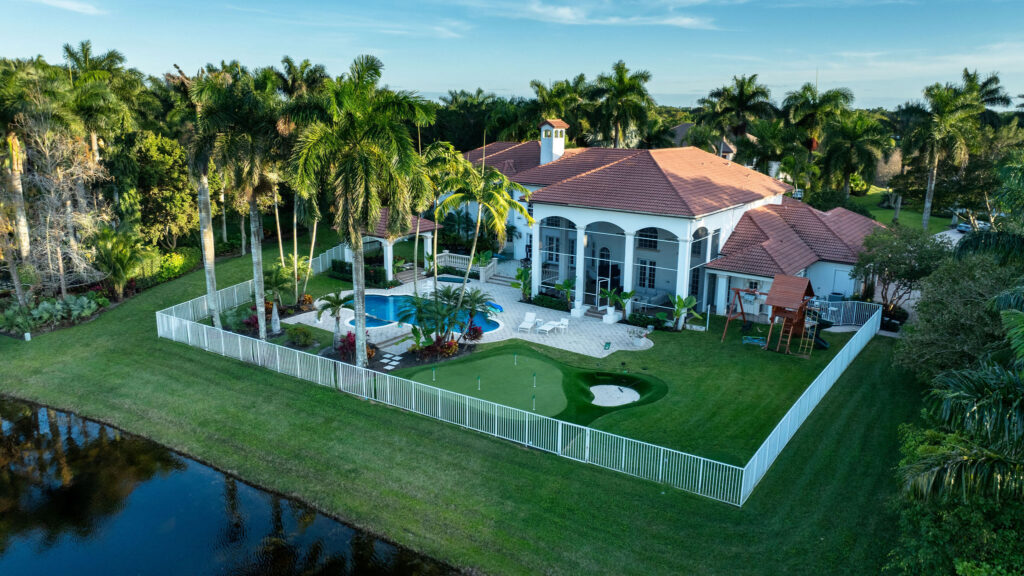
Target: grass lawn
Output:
{"points": [[468, 499], [722, 400], [909, 215]]}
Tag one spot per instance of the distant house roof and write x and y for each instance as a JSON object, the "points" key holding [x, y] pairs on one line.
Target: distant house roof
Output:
{"points": [[789, 291], [381, 229], [555, 123], [679, 132], [786, 238]]}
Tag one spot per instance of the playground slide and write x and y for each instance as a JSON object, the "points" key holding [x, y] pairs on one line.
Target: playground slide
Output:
{"points": [[820, 344]]}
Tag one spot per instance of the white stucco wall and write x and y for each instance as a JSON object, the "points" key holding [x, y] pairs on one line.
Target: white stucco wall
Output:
{"points": [[828, 277]]}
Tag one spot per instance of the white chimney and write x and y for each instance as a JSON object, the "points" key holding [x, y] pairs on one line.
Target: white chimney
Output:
{"points": [[552, 139]]}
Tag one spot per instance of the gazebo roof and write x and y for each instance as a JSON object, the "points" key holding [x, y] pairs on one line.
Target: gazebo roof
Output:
{"points": [[381, 230]]}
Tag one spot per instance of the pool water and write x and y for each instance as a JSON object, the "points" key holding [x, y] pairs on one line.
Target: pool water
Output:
{"points": [[452, 279], [384, 310]]}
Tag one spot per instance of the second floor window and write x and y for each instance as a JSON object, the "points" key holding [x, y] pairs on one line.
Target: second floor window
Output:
{"points": [[647, 239]]}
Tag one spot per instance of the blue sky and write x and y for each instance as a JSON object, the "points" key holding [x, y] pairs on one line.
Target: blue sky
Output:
{"points": [[885, 50]]}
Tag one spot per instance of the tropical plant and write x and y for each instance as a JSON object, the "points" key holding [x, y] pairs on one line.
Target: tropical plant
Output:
{"points": [[854, 143], [617, 298], [622, 101], [493, 194], [566, 287], [361, 139], [117, 254], [732, 108], [943, 133], [683, 309], [277, 281], [771, 141], [810, 110], [333, 304], [524, 277]]}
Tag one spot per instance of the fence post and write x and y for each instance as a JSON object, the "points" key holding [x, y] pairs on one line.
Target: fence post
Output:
{"points": [[661, 464], [586, 447], [560, 438], [700, 478]]}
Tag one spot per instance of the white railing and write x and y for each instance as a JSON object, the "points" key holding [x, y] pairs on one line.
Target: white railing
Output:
{"points": [[717, 480], [461, 261], [846, 313], [765, 456]]}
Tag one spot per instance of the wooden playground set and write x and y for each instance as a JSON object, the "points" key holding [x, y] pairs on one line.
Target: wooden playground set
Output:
{"points": [[795, 318]]}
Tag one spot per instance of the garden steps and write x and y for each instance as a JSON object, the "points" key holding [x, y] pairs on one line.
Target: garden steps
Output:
{"points": [[502, 280]]}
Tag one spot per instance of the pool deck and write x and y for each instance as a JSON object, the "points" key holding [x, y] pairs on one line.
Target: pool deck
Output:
{"points": [[584, 335]]}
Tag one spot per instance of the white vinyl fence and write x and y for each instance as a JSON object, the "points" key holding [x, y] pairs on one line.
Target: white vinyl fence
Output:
{"points": [[462, 261], [716, 480]]}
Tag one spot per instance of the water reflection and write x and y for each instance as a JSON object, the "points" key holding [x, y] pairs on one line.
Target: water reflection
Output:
{"points": [[79, 497]]}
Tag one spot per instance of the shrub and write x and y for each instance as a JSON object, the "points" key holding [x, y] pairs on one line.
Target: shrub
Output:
{"points": [[376, 276], [546, 301], [300, 335], [474, 333], [176, 263]]}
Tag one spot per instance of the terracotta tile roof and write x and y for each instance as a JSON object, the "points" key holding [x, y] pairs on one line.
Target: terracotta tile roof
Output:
{"points": [[789, 291], [510, 158], [684, 182], [574, 161], [381, 230], [554, 122], [786, 238]]}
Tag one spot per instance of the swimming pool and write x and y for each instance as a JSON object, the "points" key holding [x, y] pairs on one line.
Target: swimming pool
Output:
{"points": [[384, 310], [452, 279]]}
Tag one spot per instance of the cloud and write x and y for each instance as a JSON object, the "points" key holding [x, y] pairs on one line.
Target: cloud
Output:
{"points": [[581, 14], [71, 6]]}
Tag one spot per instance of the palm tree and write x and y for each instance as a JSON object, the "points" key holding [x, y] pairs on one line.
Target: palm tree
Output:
{"points": [[361, 139], [769, 141], [657, 134], [8, 252], [201, 146], [104, 89], [333, 304], [118, 255], [444, 166], [622, 100], [492, 193], [475, 302], [18, 78], [853, 145], [734, 107], [810, 110], [242, 109], [943, 133], [990, 93]]}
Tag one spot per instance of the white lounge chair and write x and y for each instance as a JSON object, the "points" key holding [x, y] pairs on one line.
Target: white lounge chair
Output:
{"points": [[529, 321], [548, 327], [563, 325]]}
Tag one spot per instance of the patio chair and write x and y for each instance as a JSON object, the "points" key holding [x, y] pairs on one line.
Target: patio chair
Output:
{"points": [[563, 325], [548, 327], [529, 321]]}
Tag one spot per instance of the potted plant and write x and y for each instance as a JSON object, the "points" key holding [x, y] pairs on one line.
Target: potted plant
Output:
{"points": [[684, 310], [616, 298]]}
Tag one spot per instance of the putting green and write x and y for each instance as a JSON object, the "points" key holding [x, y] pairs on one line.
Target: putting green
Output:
{"points": [[506, 376]]}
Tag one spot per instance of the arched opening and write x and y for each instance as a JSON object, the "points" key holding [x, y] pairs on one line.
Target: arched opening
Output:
{"points": [[557, 254], [655, 261], [699, 257], [605, 251]]}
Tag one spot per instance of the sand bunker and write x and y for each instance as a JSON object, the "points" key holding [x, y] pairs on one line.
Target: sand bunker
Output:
{"points": [[606, 395]]}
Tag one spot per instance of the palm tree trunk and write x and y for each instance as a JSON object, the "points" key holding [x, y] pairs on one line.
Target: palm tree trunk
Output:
{"points": [[224, 219], [359, 293], [295, 252], [18, 196], [897, 204], [846, 187], [257, 267], [60, 273], [337, 329], [206, 242], [929, 194], [69, 223], [241, 225], [415, 258], [434, 254], [12, 265], [618, 135], [277, 222], [312, 246], [472, 254], [94, 141]]}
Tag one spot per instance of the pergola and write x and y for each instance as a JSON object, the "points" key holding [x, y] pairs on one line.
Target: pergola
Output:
{"points": [[427, 229]]}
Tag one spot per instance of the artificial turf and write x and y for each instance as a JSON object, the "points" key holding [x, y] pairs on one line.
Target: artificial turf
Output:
{"points": [[477, 502]]}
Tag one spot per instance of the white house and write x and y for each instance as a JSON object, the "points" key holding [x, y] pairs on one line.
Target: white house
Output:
{"points": [[657, 222]]}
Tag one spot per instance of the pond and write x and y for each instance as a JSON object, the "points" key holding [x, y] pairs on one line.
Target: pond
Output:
{"points": [[77, 497]]}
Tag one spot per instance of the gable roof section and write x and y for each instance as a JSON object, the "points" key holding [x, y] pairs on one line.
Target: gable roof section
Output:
{"points": [[554, 123], [786, 238], [509, 158], [574, 161], [381, 229], [684, 182], [789, 291]]}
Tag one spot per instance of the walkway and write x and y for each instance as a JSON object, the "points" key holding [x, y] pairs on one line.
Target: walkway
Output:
{"points": [[587, 336]]}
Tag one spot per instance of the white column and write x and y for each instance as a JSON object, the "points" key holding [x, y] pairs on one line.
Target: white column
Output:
{"points": [[627, 271], [721, 298], [389, 257], [428, 246], [581, 278], [683, 269], [535, 258], [563, 255]]}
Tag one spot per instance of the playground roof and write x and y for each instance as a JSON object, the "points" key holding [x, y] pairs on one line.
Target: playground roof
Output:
{"points": [[789, 291]]}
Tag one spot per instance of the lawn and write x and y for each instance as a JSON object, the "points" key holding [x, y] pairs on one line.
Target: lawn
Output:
{"points": [[909, 215], [722, 399], [474, 501]]}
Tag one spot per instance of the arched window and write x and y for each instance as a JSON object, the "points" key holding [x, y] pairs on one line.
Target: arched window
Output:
{"points": [[647, 239]]}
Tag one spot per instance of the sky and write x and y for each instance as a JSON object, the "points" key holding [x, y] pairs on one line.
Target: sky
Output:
{"points": [[886, 51]]}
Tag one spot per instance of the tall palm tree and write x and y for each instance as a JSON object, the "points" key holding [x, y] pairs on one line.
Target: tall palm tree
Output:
{"points": [[622, 100], [243, 110], [810, 109], [853, 145], [18, 79], [445, 168], [990, 92], [201, 145], [735, 106], [361, 139], [492, 193], [8, 251], [103, 89], [943, 133]]}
